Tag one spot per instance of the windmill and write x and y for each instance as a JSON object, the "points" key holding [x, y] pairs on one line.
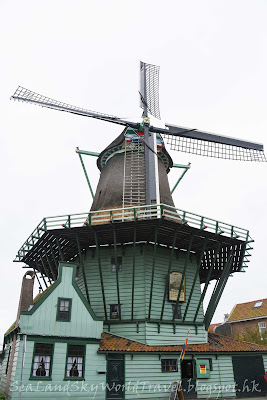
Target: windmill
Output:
{"points": [[181, 139]]}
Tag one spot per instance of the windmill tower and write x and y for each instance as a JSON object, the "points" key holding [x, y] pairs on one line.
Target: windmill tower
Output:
{"points": [[141, 260]]}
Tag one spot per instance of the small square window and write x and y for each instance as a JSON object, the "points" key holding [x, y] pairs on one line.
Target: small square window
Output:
{"points": [[169, 365], [63, 309], [42, 360], [178, 314], [113, 264], [75, 361], [114, 311], [258, 304]]}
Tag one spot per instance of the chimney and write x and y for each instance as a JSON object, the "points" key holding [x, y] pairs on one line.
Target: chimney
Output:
{"points": [[26, 294], [226, 316]]}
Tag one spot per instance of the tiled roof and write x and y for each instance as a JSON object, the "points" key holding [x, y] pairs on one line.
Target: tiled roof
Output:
{"points": [[212, 326], [247, 311], [216, 343]]}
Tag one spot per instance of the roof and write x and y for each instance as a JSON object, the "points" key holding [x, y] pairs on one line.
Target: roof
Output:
{"points": [[216, 344], [247, 311], [213, 326]]}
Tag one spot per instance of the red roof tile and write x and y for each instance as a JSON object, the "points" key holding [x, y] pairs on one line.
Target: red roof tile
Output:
{"points": [[212, 326], [216, 343], [246, 311]]}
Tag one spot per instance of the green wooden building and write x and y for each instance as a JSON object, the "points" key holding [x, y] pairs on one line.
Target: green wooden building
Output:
{"points": [[121, 285]]}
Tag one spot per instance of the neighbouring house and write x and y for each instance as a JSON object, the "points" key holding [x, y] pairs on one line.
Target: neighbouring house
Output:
{"points": [[251, 315]]}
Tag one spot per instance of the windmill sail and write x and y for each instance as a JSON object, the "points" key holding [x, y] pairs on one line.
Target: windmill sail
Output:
{"points": [[149, 88], [211, 145], [28, 96]]}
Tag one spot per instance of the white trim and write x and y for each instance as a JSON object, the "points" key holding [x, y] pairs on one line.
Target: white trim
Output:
{"points": [[247, 319]]}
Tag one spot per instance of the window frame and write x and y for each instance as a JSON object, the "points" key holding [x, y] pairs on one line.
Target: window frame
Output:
{"points": [[119, 264], [169, 360], [262, 325], [178, 311], [110, 312], [182, 294], [75, 378], [69, 311], [49, 377]]}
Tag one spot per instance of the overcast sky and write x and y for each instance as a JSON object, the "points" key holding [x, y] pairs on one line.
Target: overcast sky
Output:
{"points": [[213, 63]]}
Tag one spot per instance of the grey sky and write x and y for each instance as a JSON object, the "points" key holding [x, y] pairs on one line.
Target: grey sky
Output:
{"points": [[213, 63]]}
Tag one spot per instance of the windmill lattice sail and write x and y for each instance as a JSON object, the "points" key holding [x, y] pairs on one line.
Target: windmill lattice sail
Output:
{"points": [[213, 149], [149, 88]]}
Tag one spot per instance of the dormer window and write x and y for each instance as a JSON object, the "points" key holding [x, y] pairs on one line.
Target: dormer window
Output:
{"points": [[63, 309], [258, 304]]}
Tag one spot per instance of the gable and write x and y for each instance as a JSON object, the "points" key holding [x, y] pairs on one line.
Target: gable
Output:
{"points": [[42, 318]]}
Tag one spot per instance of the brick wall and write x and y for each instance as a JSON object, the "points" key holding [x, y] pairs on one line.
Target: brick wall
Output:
{"points": [[240, 327]]}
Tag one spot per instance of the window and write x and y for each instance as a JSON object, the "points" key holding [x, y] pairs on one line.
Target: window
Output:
{"points": [[258, 304], [113, 264], [175, 280], [114, 311], [8, 357], [169, 365], [42, 360], [178, 314], [75, 361], [262, 327], [63, 309]]}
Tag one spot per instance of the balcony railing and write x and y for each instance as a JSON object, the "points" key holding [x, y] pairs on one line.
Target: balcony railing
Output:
{"points": [[129, 214]]}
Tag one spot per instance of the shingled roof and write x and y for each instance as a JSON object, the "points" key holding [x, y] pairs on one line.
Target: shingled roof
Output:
{"points": [[244, 311], [216, 343]]}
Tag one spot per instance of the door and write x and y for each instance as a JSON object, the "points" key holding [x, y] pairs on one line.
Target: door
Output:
{"points": [[115, 377], [249, 376], [188, 379]]}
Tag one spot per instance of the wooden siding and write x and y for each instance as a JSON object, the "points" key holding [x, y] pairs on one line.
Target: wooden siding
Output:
{"points": [[43, 320], [3, 375], [148, 332], [221, 383], [58, 388], [128, 331], [144, 379]]}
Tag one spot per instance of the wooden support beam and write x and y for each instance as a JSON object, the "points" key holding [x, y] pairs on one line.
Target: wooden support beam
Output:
{"points": [[50, 266], [100, 274], [183, 276], [54, 257], [35, 271], [117, 269], [133, 277], [46, 273], [153, 267], [207, 280], [195, 278], [169, 270], [60, 250], [39, 269], [83, 270], [221, 282]]}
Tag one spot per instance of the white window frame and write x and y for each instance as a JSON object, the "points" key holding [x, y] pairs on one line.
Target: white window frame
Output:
{"points": [[262, 327]]}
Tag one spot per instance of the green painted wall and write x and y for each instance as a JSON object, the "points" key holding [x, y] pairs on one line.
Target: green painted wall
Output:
{"points": [[57, 388], [148, 332], [221, 383], [144, 379], [42, 320]]}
